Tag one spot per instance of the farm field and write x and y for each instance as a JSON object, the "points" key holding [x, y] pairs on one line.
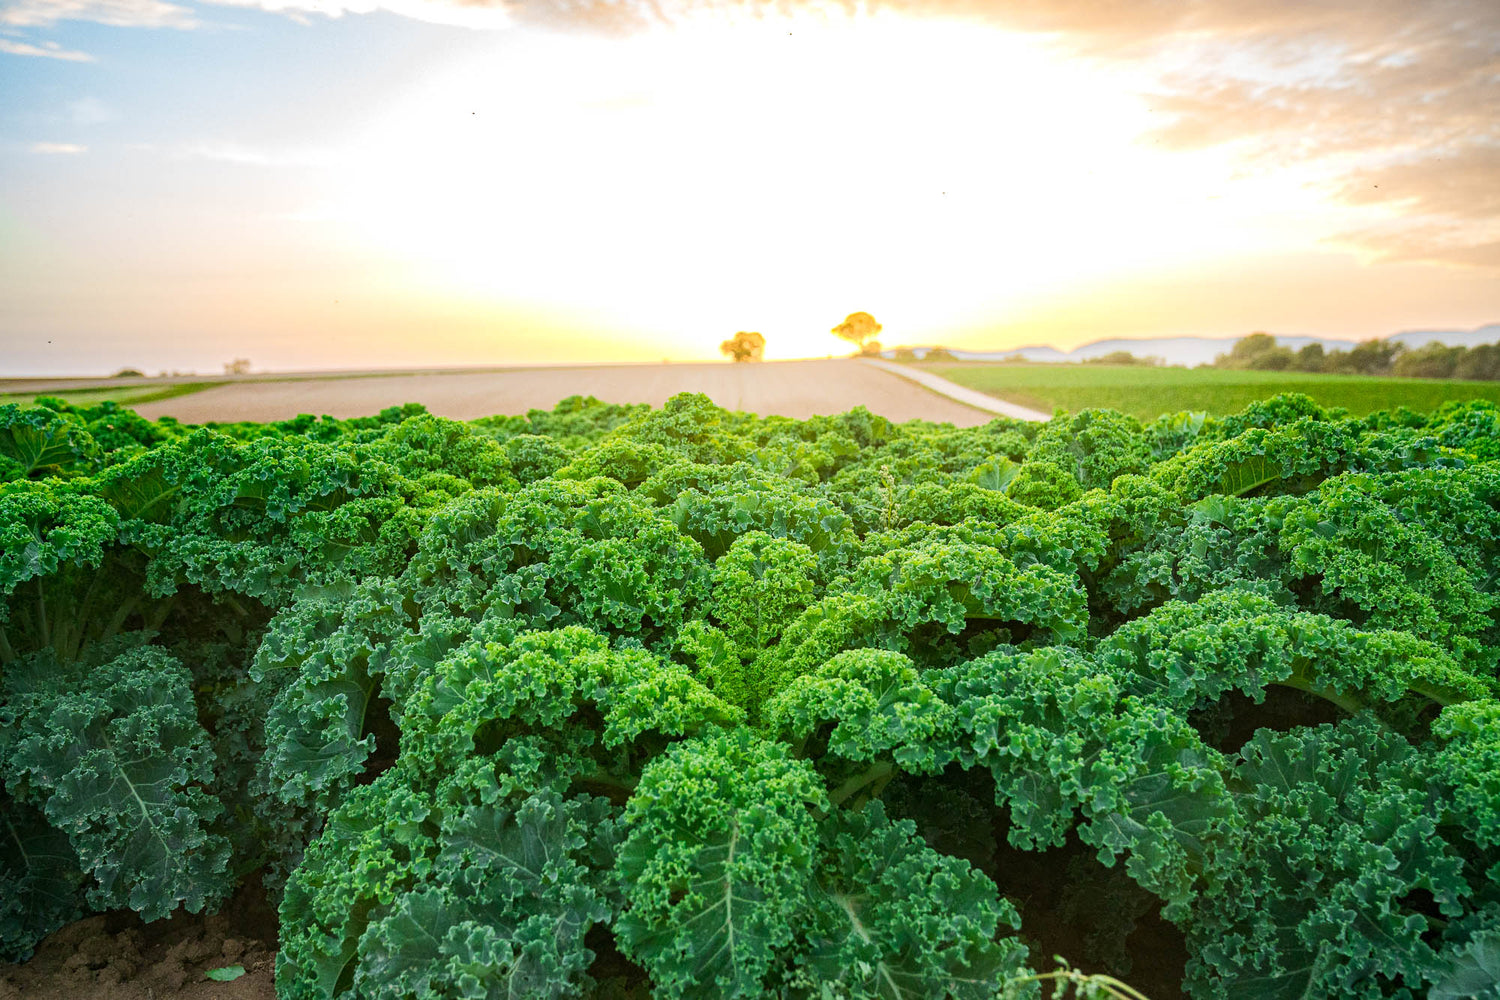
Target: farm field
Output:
{"points": [[1147, 392], [797, 389], [585, 699]]}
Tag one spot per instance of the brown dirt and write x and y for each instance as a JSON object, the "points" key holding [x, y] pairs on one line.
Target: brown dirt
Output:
{"points": [[115, 956], [788, 388]]}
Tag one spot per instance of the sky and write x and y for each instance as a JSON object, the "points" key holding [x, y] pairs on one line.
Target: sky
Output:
{"points": [[393, 183]]}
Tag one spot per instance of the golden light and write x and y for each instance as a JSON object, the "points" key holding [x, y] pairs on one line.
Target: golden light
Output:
{"points": [[777, 174]]}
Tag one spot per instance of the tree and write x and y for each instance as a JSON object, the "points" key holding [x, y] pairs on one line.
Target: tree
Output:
{"points": [[858, 328], [1482, 362], [744, 346], [1432, 360], [1310, 358], [1374, 357], [1246, 350], [1124, 358]]}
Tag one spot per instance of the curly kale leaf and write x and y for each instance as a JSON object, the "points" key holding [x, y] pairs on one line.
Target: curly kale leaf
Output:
{"points": [[44, 527], [490, 690], [1093, 446], [1322, 898], [114, 755], [1185, 655], [38, 441], [563, 553], [1469, 764], [1293, 458], [1063, 740], [936, 599], [484, 884], [716, 505], [690, 425], [41, 885], [319, 659], [760, 585], [512, 894], [375, 845], [1361, 561], [889, 918], [60, 585], [874, 703], [719, 837], [270, 517]]}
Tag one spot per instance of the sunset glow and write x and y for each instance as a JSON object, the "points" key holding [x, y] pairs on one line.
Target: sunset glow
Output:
{"points": [[458, 195]]}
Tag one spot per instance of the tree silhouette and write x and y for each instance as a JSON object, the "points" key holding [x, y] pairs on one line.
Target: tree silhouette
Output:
{"points": [[744, 346], [859, 328]]}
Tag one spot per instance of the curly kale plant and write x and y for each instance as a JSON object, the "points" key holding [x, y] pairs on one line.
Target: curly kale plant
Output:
{"points": [[612, 701]]}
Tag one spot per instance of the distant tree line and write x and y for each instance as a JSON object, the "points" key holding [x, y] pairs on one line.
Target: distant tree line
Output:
{"points": [[1124, 358], [1260, 352], [1112, 358]]}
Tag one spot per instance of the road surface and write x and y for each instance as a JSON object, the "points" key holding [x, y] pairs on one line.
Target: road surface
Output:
{"points": [[789, 388]]}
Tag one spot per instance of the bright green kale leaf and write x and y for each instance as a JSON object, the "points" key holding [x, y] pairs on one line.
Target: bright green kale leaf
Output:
{"points": [[1470, 765], [718, 846], [36, 440], [1187, 655], [1066, 746], [760, 585], [873, 702], [889, 918]]}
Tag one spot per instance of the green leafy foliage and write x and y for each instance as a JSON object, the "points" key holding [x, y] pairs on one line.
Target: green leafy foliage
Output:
{"points": [[719, 836], [618, 701], [114, 756]]}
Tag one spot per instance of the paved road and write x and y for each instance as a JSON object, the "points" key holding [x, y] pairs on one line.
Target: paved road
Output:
{"points": [[789, 388]]}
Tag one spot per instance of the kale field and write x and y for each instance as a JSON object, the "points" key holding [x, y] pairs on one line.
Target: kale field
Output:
{"points": [[1147, 392], [618, 701]]}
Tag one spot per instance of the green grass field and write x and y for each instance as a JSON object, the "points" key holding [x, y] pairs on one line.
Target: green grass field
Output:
{"points": [[125, 395], [1149, 392]]}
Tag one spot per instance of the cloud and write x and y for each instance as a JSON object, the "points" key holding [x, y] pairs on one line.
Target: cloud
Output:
{"points": [[1430, 243], [56, 148], [47, 50], [118, 13], [1459, 184], [221, 152]]}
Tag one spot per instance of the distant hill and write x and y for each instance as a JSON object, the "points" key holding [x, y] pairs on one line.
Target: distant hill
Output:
{"points": [[1192, 351]]}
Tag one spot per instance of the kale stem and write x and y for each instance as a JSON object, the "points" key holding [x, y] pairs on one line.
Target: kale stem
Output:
{"points": [[41, 612], [1348, 703], [876, 771]]}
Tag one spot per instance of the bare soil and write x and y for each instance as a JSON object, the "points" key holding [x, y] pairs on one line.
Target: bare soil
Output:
{"points": [[797, 389], [115, 956]]}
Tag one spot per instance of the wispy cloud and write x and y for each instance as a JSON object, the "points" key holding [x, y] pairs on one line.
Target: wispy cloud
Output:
{"points": [[1424, 242], [47, 50], [251, 157], [56, 148], [118, 13]]}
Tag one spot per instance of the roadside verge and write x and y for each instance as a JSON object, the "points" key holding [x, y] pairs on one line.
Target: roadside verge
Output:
{"points": [[958, 393]]}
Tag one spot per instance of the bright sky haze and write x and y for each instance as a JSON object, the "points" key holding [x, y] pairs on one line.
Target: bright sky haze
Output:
{"points": [[389, 183]]}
